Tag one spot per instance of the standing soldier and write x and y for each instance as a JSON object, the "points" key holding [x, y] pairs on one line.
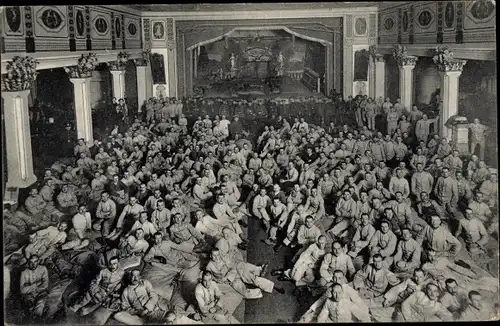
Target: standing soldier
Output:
{"points": [[478, 131], [371, 113]]}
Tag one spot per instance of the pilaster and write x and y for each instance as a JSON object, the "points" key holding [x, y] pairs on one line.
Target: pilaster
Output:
{"points": [[83, 110], [118, 83], [406, 65], [20, 172], [449, 73], [379, 84]]}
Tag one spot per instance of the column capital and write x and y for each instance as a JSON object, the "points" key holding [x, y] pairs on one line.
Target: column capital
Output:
{"points": [[78, 80], [407, 61], [140, 63], [452, 66], [117, 72], [378, 57]]}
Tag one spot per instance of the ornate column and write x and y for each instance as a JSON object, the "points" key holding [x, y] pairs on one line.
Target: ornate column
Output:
{"points": [[118, 83], [18, 140], [21, 73], [450, 73], [348, 75], [143, 82], [83, 110], [117, 69], [406, 63], [196, 55], [80, 77], [378, 85]]}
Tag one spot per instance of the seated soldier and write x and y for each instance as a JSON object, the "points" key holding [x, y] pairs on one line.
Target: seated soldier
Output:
{"points": [[78, 236], [44, 243], [105, 214], [161, 217], [16, 225], [260, 204], [437, 237], [278, 219], [104, 290], [229, 244], [67, 201], [238, 274], [129, 215], [362, 237], [359, 309], [37, 207], [166, 261], [140, 303], [146, 226], [391, 306], [305, 268], [208, 298], [209, 227], [477, 309], [225, 213], [34, 286], [424, 306], [372, 281], [384, 243], [337, 308], [297, 219], [453, 299], [407, 256], [184, 234], [345, 212], [336, 260]]}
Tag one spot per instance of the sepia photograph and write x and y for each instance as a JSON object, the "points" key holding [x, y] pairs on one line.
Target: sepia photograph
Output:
{"points": [[246, 163]]}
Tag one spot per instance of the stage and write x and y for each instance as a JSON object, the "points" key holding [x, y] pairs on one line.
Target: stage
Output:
{"points": [[250, 88]]}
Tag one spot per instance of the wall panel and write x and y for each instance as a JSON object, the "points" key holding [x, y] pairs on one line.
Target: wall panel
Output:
{"points": [[68, 28]]}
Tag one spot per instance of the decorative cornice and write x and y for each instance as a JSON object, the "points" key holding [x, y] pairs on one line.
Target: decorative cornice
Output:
{"points": [[269, 14], [468, 51], [52, 60], [455, 65]]}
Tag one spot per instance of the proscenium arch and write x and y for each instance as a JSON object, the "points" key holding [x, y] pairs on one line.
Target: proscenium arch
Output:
{"points": [[260, 28]]}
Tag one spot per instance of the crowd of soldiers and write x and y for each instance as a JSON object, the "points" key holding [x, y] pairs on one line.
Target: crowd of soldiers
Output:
{"points": [[393, 227]]}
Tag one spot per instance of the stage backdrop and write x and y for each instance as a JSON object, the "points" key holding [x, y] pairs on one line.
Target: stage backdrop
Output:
{"points": [[216, 55]]}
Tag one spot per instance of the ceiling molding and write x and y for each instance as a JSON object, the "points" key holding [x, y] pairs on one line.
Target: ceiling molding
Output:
{"points": [[271, 14], [52, 60], [124, 9]]}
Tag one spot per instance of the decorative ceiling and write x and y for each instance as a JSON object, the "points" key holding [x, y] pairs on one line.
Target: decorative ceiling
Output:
{"points": [[250, 6]]}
